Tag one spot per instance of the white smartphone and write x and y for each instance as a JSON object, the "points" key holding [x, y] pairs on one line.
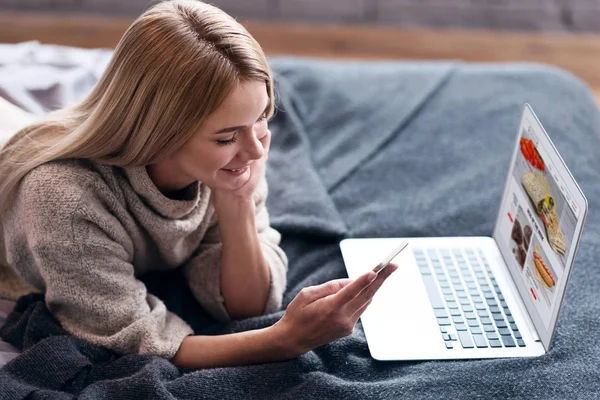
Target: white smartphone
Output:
{"points": [[390, 257]]}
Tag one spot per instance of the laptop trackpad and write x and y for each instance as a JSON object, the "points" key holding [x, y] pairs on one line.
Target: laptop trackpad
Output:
{"points": [[400, 323]]}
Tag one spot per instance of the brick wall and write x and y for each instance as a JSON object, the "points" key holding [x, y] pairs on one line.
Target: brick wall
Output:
{"points": [[535, 15]]}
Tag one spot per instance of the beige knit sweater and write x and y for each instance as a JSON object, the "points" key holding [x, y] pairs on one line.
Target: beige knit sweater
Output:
{"points": [[82, 233]]}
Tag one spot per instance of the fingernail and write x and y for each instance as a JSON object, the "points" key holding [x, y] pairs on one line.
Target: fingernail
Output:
{"points": [[371, 276]]}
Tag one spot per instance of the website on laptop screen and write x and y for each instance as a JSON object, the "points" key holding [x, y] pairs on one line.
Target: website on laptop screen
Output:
{"points": [[537, 225]]}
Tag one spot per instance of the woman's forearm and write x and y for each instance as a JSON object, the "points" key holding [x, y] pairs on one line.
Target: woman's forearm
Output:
{"points": [[245, 275], [251, 347]]}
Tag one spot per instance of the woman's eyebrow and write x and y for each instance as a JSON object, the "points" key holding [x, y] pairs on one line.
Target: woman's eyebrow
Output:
{"points": [[228, 130], [235, 128]]}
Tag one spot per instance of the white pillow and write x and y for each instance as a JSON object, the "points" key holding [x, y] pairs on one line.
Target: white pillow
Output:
{"points": [[12, 119]]}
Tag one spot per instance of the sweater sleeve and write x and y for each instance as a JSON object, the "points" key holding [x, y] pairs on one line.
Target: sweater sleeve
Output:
{"points": [[203, 270], [83, 262]]}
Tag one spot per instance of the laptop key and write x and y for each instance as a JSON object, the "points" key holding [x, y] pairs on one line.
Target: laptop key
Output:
{"points": [[494, 309], [486, 321], [480, 306], [495, 343], [521, 342], [449, 345], [510, 319], [458, 320], [508, 341], [476, 330], [473, 322], [444, 321], [504, 331], [514, 327], [440, 313], [465, 339], [446, 337], [497, 317], [470, 315], [480, 341], [460, 327], [467, 308], [517, 334], [489, 328], [455, 312], [432, 292], [501, 324], [492, 336], [444, 329]]}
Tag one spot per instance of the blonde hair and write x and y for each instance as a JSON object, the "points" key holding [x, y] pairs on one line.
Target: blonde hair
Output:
{"points": [[173, 67]]}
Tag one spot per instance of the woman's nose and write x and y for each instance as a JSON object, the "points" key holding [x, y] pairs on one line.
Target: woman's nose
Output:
{"points": [[254, 148]]}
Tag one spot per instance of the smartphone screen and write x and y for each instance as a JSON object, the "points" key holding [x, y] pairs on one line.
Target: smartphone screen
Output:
{"points": [[390, 257]]}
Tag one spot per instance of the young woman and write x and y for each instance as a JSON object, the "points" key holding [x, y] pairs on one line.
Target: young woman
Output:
{"points": [[162, 167]]}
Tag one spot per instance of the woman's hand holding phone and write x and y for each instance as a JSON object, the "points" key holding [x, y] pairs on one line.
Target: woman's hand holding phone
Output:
{"points": [[323, 313]]}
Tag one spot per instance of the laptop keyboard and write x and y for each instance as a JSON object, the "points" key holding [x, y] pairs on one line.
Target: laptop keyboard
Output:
{"points": [[468, 303]]}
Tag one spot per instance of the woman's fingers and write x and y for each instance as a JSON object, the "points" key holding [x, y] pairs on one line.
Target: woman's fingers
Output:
{"points": [[353, 289], [313, 293], [345, 291], [367, 294], [360, 311]]}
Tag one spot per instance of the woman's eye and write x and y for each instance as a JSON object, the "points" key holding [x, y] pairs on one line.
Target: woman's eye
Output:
{"points": [[227, 141], [262, 118]]}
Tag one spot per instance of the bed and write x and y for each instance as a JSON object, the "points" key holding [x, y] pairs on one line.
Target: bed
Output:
{"points": [[360, 149]]}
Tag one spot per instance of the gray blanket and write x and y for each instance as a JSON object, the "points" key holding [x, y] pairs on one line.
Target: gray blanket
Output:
{"points": [[377, 149]]}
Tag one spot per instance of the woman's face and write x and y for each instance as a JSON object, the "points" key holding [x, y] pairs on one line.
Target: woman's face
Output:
{"points": [[219, 155]]}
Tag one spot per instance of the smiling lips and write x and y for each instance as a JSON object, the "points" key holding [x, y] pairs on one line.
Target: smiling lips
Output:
{"points": [[236, 171]]}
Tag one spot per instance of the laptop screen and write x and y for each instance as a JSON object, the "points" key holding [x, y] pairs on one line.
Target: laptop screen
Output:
{"points": [[539, 223]]}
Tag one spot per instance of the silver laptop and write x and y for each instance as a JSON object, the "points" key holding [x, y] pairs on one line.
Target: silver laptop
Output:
{"points": [[482, 297]]}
